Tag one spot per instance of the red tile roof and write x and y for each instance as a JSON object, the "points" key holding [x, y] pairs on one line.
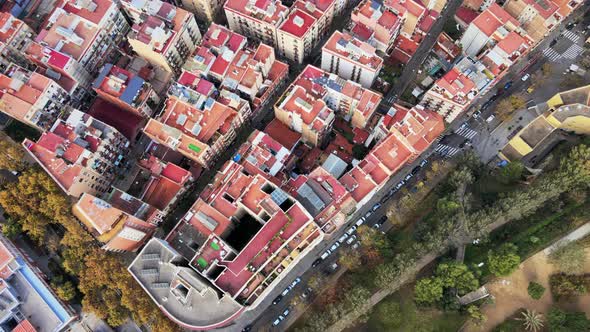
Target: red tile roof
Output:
{"points": [[282, 134], [298, 23]]}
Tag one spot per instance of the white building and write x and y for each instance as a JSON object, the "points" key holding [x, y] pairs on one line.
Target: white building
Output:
{"points": [[351, 59]]}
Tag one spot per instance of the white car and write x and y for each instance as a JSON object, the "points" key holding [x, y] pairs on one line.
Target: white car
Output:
{"points": [[326, 254], [359, 222], [335, 246], [525, 77], [351, 230], [343, 238], [490, 118], [351, 239]]}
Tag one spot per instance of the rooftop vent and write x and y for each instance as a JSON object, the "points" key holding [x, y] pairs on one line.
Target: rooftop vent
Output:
{"points": [[298, 21]]}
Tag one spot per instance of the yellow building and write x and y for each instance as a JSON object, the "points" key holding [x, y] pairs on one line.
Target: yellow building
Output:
{"points": [[568, 111]]}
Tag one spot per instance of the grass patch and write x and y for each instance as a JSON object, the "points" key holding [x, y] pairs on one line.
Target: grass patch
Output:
{"points": [[412, 318], [18, 131], [531, 234]]}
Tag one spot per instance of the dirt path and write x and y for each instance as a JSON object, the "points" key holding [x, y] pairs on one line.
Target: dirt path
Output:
{"points": [[510, 293]]}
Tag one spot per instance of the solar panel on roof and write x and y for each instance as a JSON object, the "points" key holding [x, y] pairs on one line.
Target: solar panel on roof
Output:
{"points": [[279, 196]]}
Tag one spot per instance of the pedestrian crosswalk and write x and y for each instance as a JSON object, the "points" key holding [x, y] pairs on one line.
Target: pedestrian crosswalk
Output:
{"points": [[571, 36], [551, 54], [573, 52], [466, 132], [445, 150]]}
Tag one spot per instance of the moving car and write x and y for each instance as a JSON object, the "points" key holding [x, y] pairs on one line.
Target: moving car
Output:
{"points": [[508, 85], [477, 114], [525, 77]]}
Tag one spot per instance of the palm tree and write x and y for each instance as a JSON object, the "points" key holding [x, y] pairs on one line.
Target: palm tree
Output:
{"points": [[532, 320]]}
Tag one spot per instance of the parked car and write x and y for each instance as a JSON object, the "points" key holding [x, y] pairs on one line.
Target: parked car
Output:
{"points": [[277, 299], [247, 328], [508, 85], [334, 267], [376, 207], [408, 177], [286, 291], [326, 254], [525, 77], [400, 185], [415, 170], [316, 262], [368, 214], [392, 191], [281, 317], [356, 245], [360, 222], [423, 162], [351, 239], [306, 293], [343, 238], [335, 246], [530, 89], [351, 230], [384, 199], [490, 118], [295, 282], [477, 114]]}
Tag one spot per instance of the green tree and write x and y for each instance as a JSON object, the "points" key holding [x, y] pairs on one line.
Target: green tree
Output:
{"points": [[517, 101], [535, 290], [569, 258], [547, 69], [531, 320], [428, 290], [476, 315], [511, 173], [316, 281], [350, 259], [11, 229], [503, 261], [561, 321], [457, 275], [556, 319]]}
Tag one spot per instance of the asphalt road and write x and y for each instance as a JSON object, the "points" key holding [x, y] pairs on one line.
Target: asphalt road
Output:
{"points": [[483, 128], [261, 317], [409, 72]]}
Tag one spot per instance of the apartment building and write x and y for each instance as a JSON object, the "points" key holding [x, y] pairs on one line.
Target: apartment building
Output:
{"points": [[31, 98], [405, 134], [376, 24], [126, 90], [256, 19], [15, 37], [77, 39], [253, 74], [506, 52], [204, 10], [310, 104], [324, 197], [200, 128], [28, 301], [307, 23], [232, 247], [162, 34], [489, 27], [160, 183], [450, 95], [538, 17], [81, 154], [351, 59], [121, 222]]}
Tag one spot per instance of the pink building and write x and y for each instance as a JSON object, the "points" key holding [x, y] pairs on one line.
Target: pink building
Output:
{"points": [[15, 37], [375, 24], [256, 19]]}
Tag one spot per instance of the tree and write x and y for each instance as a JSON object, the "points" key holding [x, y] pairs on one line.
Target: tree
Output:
{"points": [[457, 275], [563, 285], [535, 290], [428, 290], [556, 319], [66, 291], [569, 258], [476, 315], [531, 320], [517, 101], [11, 229], [511, 173], [503, 261], [351, 259], [316, 281], [12, 155]]}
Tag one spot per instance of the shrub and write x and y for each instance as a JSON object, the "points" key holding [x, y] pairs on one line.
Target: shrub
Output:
{"points": [[536, 290]]}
